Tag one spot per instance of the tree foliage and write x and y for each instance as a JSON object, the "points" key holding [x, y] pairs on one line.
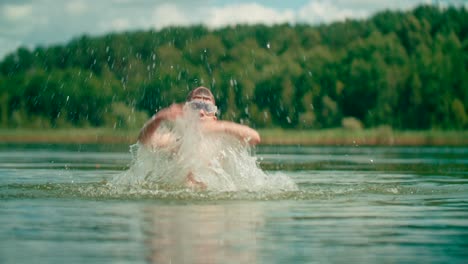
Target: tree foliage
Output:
{"points": [[406, 70]]}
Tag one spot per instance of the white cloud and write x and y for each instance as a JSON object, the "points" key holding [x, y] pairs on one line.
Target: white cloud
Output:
{"points": [[248, 13], [17, 12], [120, 24], [76, 7], [169, 15], [8, 44], [326, 11]]}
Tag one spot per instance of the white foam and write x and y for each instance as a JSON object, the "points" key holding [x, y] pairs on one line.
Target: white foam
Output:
{"points": [[221, 162]]}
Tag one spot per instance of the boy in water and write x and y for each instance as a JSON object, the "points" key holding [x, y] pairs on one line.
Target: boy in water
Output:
{"points": [[201, 101]]}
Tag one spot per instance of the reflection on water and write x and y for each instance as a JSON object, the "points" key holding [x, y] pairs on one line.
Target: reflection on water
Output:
{"points": [[353, 204], [203, 233]]}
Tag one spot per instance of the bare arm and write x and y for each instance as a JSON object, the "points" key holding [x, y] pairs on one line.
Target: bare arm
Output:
{"points": [[239, 131], [150, 127]]}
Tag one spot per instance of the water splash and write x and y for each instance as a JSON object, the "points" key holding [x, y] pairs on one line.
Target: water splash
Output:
{"points": [[218, 161]]}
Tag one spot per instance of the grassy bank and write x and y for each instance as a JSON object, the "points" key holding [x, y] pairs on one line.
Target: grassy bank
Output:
{"points": [[72, 135], [371, 137]]}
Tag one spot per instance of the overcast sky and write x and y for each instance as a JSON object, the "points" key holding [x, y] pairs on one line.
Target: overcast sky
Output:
{"points": [[43, 22]]}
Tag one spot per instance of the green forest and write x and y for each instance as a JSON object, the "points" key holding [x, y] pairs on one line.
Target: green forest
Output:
{"points": [[407, 70]]}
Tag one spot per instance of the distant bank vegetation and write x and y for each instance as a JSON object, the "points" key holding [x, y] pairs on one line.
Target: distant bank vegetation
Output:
{"points": [[400, 70]]}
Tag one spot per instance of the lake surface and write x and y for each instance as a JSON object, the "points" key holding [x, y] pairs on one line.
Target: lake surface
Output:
{"points": [[353, 205]]}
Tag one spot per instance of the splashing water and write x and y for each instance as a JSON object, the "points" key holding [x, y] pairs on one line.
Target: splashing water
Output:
{"points": [[221, 162]]}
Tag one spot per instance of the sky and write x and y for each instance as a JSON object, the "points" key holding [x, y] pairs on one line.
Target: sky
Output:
{"points": [[32, 23]]}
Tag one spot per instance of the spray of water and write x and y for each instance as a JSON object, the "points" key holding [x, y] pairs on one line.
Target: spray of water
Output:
{"points": [[218, 161]]}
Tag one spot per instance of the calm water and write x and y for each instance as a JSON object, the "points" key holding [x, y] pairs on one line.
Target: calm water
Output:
{"points": [[354, 205]]}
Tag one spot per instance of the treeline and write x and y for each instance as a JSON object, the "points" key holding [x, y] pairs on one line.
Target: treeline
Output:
{"points": [[406, 70]]}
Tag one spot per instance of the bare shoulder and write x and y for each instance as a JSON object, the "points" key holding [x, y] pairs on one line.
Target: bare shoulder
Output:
{"points": [[240, 131], [170, 113]]}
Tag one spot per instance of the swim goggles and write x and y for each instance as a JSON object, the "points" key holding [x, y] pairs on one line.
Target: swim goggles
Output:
{"points": [[200, 105]]}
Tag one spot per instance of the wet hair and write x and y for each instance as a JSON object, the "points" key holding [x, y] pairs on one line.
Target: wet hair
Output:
{"points": [[200, 91]]}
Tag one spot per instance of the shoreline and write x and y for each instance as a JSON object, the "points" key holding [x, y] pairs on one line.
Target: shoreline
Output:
{"points": [[328, 137]]}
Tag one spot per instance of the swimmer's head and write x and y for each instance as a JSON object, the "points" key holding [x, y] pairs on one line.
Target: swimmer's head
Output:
{"points": [[201, 101], [201, 94]]}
